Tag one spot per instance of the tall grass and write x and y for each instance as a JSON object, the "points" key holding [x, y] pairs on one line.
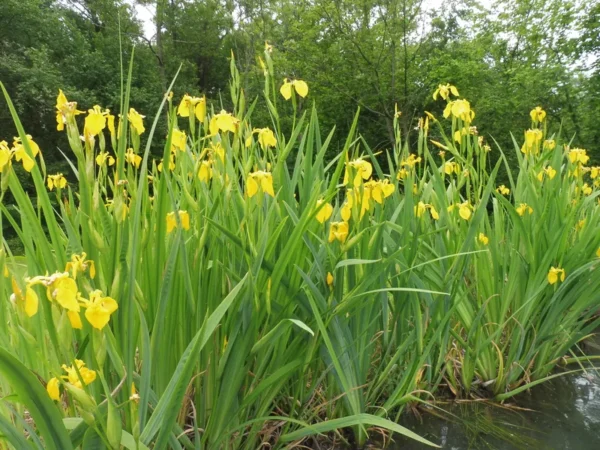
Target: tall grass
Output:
{"points": [[243, 321]]}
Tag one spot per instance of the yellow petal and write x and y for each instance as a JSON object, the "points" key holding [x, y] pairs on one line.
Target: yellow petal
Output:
{"points": [[301, 88], [97, 316], [464, 212], [52, 389], [286, 90], [31, 302], [324, 213], [171, 222], [200, 110], [388, 189], [213, 127], [251, 186], [75, 320], [185, 220], [346, 212], [64, 291], [266, 183]]}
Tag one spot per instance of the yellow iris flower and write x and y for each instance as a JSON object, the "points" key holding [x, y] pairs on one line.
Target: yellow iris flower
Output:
{"points": [[524, 208], [52, 389], [171, 163], [95, 121], [64, 110], [205, 171], [329, 279], [259, 180], [483, 239], [136, 120], [503, 190], [421, 207], [451, 167], [547, 171], [555, 274], [79, 264], [461, 109], [60, 288], [379, 190], [464, 209], [103, 157], [172, 220], [532, 141], [266, 137], [444, 91], [578, 156], [57, 181], [537, 114], [338, 231], [99, 308], [178, 140], [132, 158], [359, 169], [299, 86], [223, 121], [190, 104], [22, 155]]}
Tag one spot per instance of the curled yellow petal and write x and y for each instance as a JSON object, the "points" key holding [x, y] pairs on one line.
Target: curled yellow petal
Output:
{"points": [[52, 389]]}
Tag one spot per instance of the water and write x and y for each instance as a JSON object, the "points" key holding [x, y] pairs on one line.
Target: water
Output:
{"points": [[562, 414]]}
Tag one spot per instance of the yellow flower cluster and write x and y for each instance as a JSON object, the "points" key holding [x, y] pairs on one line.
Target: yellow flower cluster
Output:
{"points": [[77, 375], [361, 196], [533, 138], [62, 289], [19, 153]]}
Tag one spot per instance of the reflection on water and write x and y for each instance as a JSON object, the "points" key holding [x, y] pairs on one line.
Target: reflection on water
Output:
{"points": [[565, 415]]}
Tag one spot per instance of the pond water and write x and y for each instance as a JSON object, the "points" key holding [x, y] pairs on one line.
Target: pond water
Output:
{"points": [[560, 414]]}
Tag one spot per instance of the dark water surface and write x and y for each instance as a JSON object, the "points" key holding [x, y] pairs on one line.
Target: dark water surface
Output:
{"points": [[566, 415]]}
